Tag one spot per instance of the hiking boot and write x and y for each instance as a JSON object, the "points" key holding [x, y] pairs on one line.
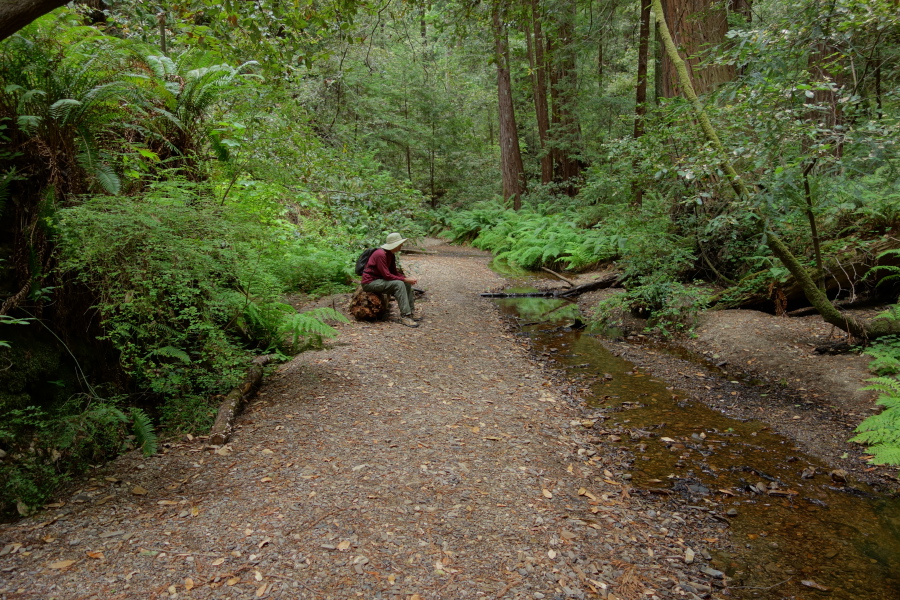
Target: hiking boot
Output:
{"points": [[406, 320], [417, 314]]}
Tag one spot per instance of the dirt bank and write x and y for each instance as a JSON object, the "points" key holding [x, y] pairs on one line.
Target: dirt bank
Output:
{"points": [[753, 365]]}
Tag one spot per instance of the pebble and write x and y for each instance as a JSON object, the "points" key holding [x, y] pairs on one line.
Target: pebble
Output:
{"points": [[732, 512]]}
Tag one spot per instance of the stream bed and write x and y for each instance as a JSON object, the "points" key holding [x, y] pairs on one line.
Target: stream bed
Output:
{"points": [[799, 529]]}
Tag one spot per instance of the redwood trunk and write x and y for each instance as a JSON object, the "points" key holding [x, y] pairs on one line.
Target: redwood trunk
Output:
{"points": [[695, 25], [541, 109], [565, 82], [640, 108], [510, 156]]}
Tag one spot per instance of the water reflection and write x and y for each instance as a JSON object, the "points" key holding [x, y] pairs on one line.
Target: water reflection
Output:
{"points": [[789, 529]]}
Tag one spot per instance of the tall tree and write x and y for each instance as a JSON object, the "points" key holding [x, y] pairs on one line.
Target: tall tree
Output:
{"points": [[511, 166], [640, 108], [696, 25], [539, 70], [563, 94]]}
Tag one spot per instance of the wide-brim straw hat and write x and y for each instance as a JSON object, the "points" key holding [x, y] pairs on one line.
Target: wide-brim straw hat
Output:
{"points": [[393, 240]]}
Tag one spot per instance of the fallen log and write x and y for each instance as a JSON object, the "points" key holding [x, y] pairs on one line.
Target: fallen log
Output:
{"points": [[607, 281], [558, 276], [235, 399], [845, 274]]}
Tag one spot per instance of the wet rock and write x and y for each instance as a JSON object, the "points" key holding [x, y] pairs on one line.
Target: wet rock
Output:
{"points": [[715, 573], [839, 476], [808, 473]]}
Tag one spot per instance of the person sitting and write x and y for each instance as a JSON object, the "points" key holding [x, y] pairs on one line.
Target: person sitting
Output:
{"points": [[382, 276]]}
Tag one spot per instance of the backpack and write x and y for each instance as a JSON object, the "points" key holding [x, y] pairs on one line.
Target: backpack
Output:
{"points": [[363, 260]]}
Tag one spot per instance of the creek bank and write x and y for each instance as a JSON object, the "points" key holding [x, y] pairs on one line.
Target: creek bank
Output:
{"points": [[771, 364]]}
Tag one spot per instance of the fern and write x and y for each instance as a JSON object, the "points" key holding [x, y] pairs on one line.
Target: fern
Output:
{"points": [[144, 434], [886, 355], [310, 325], [892, 269], [172, 352], [881, 432]]}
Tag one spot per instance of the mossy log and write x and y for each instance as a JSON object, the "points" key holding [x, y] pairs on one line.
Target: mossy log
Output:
{"points": [[843, 274], [234, 401]]}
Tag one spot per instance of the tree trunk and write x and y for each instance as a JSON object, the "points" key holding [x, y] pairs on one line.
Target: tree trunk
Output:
{"points": [[640, 108], [510, 156], [868, 330], [565, 83], [695, 25], [540, 96], [16, 14]]}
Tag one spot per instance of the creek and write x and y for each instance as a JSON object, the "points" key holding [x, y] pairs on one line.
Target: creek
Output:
{"points": [[787, 532]]}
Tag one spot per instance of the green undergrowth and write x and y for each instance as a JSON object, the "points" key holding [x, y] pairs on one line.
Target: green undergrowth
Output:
{"points": [[174, 202]]}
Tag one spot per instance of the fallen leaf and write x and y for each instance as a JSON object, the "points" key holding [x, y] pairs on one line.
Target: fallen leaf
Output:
{"points": [[233, 581], [218, 562], [97, 555], [265, 480], [139, 491], [262, 590], [264, 542], [172, 590], [812, 584], [223, 451], [551, 554], [62, 564], [582, 491], [248, 531], [392, 578], [546, 493], [415, 597], [475, 429], [188, 584], [343, 545], [257, 575], [267, 451], [195, 511], [167, 503], [10, 549]]}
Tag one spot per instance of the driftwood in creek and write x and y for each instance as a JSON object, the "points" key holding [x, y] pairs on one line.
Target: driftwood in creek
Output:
{"points": [[368, 306], [607, 281], [234, 402]]}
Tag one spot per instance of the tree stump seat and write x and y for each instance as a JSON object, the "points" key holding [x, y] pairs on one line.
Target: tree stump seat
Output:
{"points": [[369, 306]]}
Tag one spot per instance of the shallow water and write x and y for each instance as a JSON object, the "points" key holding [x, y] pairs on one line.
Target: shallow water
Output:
{"points": [[843, 537]]}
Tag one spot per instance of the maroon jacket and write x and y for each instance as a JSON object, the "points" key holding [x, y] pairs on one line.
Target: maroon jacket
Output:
{"points": [[382, 265]]}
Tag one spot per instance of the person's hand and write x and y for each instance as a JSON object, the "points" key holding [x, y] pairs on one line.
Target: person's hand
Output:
{"points": [[411, 281]]}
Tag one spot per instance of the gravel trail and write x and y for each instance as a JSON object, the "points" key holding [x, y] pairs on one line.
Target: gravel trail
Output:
{"points": [[428, 463]]}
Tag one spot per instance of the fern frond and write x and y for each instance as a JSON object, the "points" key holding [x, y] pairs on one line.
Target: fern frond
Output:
{"points": [[144, 433], [172, 352]]}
